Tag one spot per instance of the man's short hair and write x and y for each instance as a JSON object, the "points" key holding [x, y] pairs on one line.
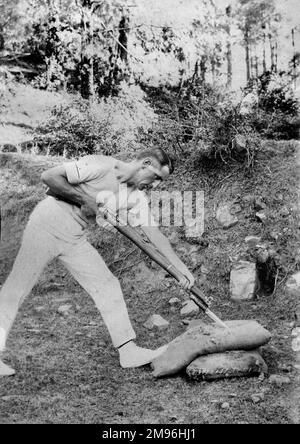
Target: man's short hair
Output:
{"points": [[160, 155]]}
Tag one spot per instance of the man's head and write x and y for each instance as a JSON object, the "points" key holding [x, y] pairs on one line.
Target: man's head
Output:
{"points": [[155, 165]]}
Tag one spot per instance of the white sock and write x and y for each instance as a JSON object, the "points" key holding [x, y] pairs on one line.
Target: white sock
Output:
{"points": [[2, 339]]}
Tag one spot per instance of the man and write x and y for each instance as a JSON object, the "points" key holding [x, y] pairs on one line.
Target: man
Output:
{"points": [[56, 229]]}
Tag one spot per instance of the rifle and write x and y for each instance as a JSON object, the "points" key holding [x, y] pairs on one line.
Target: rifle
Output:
{"points": [[142, 241]]}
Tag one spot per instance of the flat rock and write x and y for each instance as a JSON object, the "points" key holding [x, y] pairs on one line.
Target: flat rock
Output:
{"points": [[259, 205], [296, 344], [232, 364], [252, 241], [243, 281], [257, 398], [279, 380], [261, 217], [174, 302], [189, 309], [225, 406], [206, 340], [156, 322], [225, 218], [293, 285], [64, 309]]}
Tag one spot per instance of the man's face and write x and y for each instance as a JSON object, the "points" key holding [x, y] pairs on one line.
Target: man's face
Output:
{"points": [[150, 174]]}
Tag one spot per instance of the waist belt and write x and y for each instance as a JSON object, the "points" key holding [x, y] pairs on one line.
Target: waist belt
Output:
{"points": [[62, 199]]}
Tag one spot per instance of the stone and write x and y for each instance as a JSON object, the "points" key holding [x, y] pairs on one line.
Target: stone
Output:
{"points": [[248, 199], [279, 380], [261, 217], [274, 235], [259, 205], [156, 322], [296, 332], [243, 281], [189, 309], [285, 368], [296, 344], [8, 398], [225, 218], [64, 310], [257, 398], [284, 212], [204, 270], [225, 406], [226, 365], [39, 309], [235, 209], [293, 285], [174, 238], [206, 340], [252, 241], [174, 301]]}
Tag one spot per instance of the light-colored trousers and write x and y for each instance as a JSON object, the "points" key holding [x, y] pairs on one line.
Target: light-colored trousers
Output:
{"points": [[40, 245]]}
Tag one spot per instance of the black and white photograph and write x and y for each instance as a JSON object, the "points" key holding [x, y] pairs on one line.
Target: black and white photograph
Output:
{"points": [[149, 215]]}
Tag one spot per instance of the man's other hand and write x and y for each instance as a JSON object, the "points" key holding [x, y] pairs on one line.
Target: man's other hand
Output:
{"points": [[188, 281]]}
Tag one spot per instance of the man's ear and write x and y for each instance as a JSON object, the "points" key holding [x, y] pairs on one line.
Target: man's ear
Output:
{"points": [[147, 161]]}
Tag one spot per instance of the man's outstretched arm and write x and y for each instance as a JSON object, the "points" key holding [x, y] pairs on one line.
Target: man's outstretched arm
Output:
{"points": [[56, 180], [163, 245]]}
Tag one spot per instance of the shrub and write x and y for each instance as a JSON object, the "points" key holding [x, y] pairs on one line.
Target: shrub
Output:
{"points": [[107, 127], [200, 121], [276, 116], [276, 125]]}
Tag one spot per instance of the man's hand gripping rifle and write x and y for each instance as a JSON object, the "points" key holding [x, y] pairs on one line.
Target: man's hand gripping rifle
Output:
{"points": [[142, 241]]}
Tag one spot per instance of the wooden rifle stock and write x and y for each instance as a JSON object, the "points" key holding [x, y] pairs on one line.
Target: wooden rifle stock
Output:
{"points": [[141, 241]]}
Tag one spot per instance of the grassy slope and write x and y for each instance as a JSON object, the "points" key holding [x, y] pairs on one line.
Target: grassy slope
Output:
{"points": [[67, 370]]}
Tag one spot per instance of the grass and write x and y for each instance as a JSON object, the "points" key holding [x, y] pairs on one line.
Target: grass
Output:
{"points": [[67, 370]]}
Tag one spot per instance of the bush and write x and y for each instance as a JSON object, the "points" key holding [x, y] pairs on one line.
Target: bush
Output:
{"points": [[277, 113], [107, 127], [200, 121], [276, 125]]}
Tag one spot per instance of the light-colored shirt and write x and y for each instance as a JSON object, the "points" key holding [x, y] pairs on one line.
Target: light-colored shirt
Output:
{"points": [[96, 174]]}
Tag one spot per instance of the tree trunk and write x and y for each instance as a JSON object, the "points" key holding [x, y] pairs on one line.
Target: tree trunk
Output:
{"points": [[272, 49], [196, 72], [2, 40], [229, 47], [87, 59], [123, 39], [247, 48], [213, 69], [264, 54], [294, 58], [203, 68], [276, 57]]}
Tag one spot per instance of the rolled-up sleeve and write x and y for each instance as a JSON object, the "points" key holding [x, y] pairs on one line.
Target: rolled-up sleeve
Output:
{"points": [[83, 170]]}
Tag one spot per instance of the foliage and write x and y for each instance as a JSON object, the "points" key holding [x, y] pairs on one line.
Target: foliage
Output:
{"points": [[109, 126], [278, 107], [200, 122], [276, 125]]}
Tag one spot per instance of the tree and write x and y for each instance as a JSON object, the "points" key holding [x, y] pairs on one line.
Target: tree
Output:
{"points": [[258, 19]]}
